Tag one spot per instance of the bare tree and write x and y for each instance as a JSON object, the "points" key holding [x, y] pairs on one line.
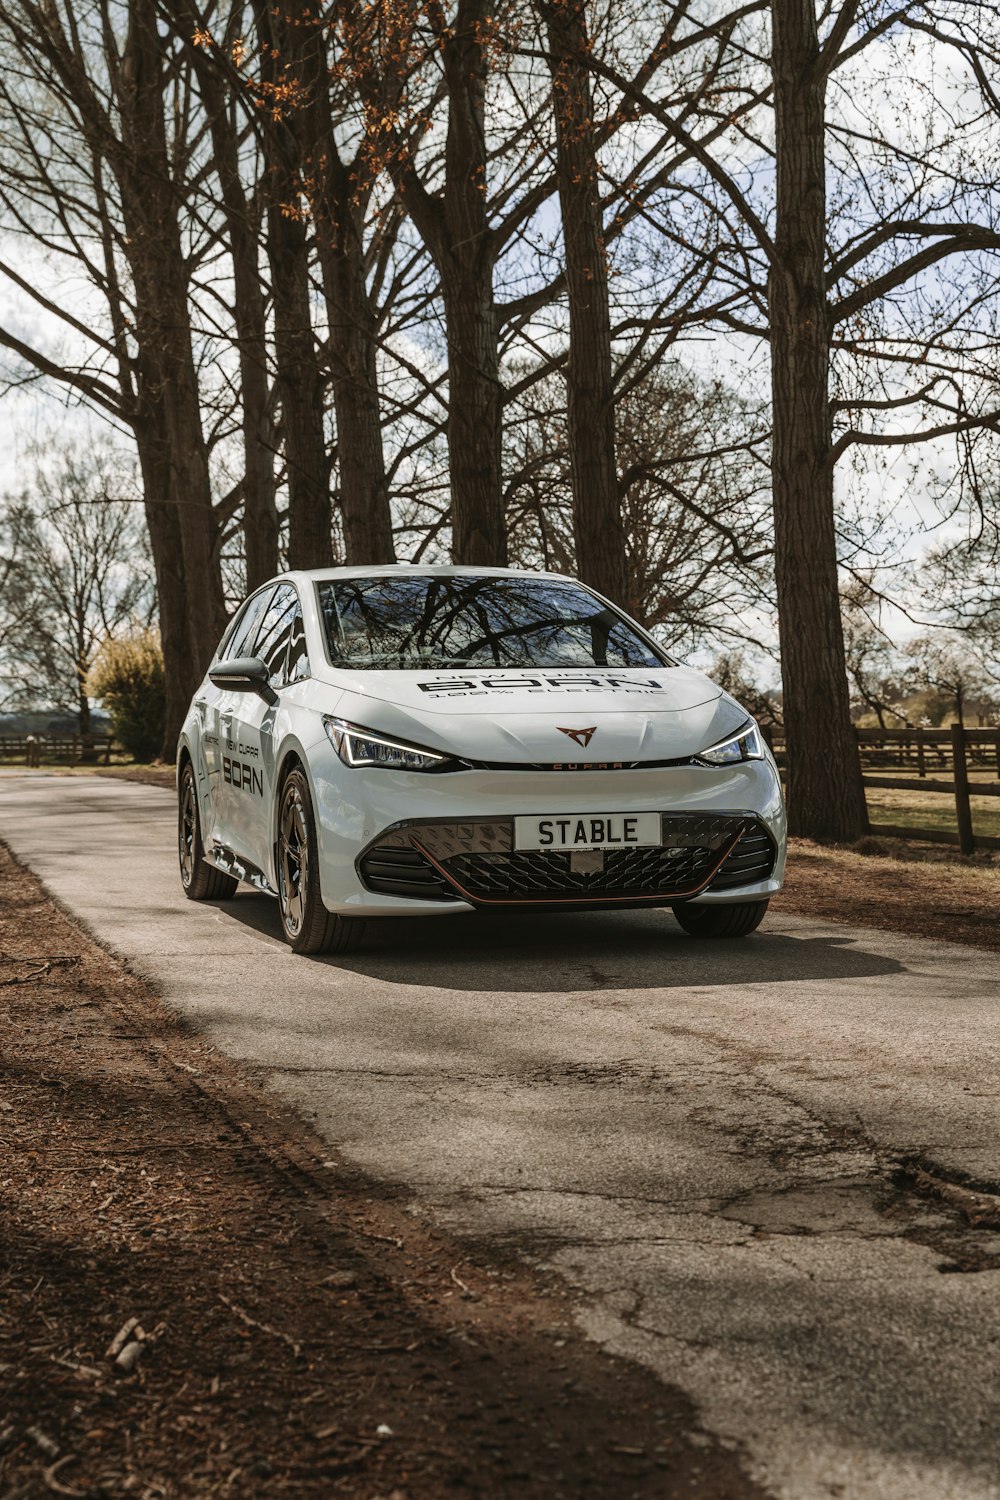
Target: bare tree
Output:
{"points": [[447, 51], [241, 192], [617, 172], [83, 574], [15, 595], [694, 507], [597, 517], [825, 789], [876, 676], [96, 176], [338, 188], [945, 663], [832, 272]]}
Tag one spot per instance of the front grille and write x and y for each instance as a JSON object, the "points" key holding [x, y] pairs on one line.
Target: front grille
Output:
{"points": [[751, 860], [475, 860], [397, 871], [526, 875]]}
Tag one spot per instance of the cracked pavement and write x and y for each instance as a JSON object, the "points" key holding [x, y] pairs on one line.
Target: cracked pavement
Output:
{"points": [[769, 1171]]}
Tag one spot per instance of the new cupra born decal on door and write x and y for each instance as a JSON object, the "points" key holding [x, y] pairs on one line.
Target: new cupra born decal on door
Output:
{"points": [[409, 741]]}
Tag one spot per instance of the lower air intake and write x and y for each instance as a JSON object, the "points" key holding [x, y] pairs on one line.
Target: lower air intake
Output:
{"points": [[751, 860], [399, 871]]}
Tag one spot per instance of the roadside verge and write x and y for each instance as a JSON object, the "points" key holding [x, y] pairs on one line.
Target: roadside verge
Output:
{"points": [[298, 1332]]}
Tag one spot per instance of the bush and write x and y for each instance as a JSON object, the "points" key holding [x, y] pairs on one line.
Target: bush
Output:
{"points": [[127, 676]]}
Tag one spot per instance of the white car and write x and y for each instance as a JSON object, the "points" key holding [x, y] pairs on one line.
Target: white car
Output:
{"points": [[419, 741]]}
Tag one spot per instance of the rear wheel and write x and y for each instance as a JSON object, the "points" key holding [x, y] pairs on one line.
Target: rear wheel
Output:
{"points": [[720, 921], [201, 881], [307, 925]]}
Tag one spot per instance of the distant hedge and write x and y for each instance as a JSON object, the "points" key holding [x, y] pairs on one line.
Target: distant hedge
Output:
{"points": [[127, 676]]}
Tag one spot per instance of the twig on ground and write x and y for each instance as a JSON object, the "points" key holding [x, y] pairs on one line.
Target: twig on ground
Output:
{"points": [[276, 1333], [42, 1441], [130, 1355], [45, 965], [86, 1372], [52, 1483], [466, 1291], [38, 958], [120, 1339]]}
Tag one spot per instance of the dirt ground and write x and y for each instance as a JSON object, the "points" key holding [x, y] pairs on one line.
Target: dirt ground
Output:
{"points": [[299, 1331], [918, 889]]}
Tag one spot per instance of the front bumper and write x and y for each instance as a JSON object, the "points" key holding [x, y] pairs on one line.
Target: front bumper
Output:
{"points": [[401, 843], [476, 862]]}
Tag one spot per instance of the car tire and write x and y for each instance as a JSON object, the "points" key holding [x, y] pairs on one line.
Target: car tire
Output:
{"points": [[200, 880], [305, 922], [734, 921]]}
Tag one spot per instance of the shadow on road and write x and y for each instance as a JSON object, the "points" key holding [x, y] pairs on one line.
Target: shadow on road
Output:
{"points": [[548, 952]]}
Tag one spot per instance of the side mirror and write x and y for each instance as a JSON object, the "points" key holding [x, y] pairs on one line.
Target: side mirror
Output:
{"points": [[244, 674]]}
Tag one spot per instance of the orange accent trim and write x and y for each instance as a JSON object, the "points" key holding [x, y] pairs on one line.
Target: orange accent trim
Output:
{"points": [[577, 900]]}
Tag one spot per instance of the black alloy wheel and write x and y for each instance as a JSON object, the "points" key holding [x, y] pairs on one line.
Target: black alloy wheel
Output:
{"points": [[735, 921], [201, 881], [307, 925]]}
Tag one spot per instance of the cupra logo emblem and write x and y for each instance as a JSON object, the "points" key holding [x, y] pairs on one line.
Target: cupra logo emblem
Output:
{"points": [[582, 736]]}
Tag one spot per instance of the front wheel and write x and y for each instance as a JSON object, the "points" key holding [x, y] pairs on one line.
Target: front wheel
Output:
{"points": [[307, 925], [201, 881], [720, 921]]}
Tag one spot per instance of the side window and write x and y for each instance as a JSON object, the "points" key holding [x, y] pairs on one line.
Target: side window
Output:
{"points": [[241, 637], [275, 629], [298, 657]]}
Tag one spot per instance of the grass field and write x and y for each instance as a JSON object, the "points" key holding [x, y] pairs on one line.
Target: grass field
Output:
{"points": [[923, 809]]}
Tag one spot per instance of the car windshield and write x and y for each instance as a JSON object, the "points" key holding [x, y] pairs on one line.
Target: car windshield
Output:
{"points": [[419, 621]]}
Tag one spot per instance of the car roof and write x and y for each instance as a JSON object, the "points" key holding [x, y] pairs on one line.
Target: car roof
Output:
{"points": [[403, 570]]}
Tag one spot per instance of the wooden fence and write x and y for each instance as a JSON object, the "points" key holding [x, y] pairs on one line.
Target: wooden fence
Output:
{"points": [[956, 750], [62, 749], [926, 754]]}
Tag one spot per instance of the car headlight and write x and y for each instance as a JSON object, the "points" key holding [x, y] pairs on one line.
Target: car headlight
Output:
{"points": [[361, 747], [747, 745]]}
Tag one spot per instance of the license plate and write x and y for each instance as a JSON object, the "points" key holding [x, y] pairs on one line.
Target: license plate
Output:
{"points": [[588, 831]]}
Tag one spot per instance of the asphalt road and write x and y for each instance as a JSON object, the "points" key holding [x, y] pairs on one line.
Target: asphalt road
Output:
{"points": [[704, 1140]]}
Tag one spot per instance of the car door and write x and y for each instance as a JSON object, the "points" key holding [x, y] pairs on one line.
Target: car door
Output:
{"points": [[218, 706], [249, 748]]}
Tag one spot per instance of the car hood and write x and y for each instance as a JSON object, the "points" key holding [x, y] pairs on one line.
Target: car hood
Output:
{"points": [[548, 716]]}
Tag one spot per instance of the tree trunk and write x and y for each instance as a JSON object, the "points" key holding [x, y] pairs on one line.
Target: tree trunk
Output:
{"points": [[825, 791], [162, 520], [455, 228], [337, 198], [83, 712], [364, 488], [597, 516], [260, 511], [465, 258], [454, 225], [163, 329], [475, 414], [300, 384]]}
